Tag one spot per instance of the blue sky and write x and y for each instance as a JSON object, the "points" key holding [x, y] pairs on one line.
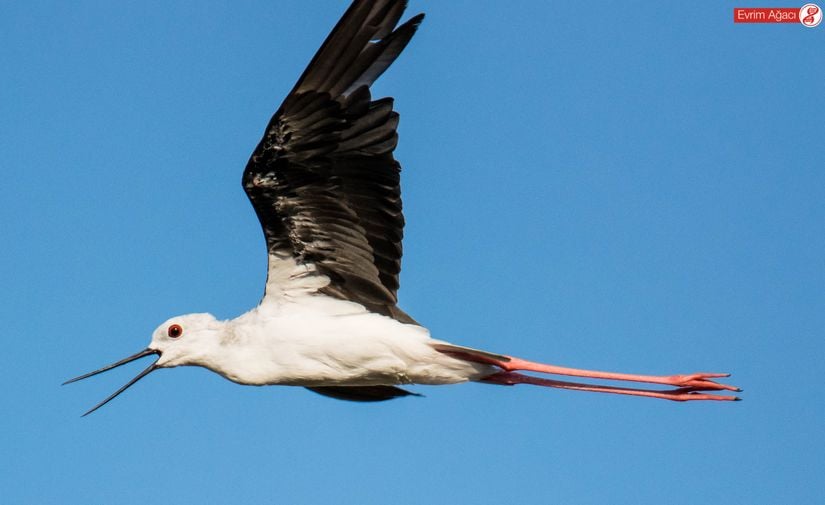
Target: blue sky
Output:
{"points": [[613, 185]]}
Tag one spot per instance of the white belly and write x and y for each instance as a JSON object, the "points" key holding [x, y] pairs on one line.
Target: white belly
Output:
{"points": [[335, 343]]}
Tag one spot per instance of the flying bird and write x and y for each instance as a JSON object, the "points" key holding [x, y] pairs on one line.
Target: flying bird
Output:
{"points": [[325, 186]]}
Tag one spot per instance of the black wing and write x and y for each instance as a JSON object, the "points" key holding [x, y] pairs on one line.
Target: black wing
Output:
{"points": [[323, 180], [362, 393]]}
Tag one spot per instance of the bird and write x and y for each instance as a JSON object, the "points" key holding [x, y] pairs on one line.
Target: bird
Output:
{"points": [[325, 186]]}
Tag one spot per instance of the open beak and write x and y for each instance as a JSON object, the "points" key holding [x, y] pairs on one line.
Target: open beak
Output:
{"points": [[145, 352]]}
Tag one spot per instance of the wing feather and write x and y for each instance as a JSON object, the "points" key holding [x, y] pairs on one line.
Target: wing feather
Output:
{"points": [[323, 179]]}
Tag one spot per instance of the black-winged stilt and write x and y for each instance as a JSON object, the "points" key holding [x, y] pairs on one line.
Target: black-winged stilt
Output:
{"points": [[325, 186]]}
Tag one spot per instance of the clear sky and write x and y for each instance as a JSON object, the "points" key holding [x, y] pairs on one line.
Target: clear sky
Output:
{"points": [[631, 186]]}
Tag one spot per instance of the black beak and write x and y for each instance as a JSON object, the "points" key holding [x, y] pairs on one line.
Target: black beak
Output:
{"points": [[145, 352]]}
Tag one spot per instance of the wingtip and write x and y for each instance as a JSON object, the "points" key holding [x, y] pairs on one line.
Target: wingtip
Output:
{"points": [[413, 23], [410, 26]]}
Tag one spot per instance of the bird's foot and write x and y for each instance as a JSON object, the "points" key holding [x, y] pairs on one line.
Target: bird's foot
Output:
{"points": [[697, 381]]}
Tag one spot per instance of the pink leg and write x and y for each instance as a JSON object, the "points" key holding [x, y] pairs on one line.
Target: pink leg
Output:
{"points": [[695, 380], [678, 395], [688, 385]]}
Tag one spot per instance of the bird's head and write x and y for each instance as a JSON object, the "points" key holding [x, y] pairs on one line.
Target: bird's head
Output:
{"points": [[185, 340], [181, 340]]}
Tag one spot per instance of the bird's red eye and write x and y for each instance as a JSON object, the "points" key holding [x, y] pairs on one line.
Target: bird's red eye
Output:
{"points": [[174, 331]]}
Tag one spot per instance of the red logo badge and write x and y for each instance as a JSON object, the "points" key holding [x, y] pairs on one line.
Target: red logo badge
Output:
{"points": [[810, 15]]}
